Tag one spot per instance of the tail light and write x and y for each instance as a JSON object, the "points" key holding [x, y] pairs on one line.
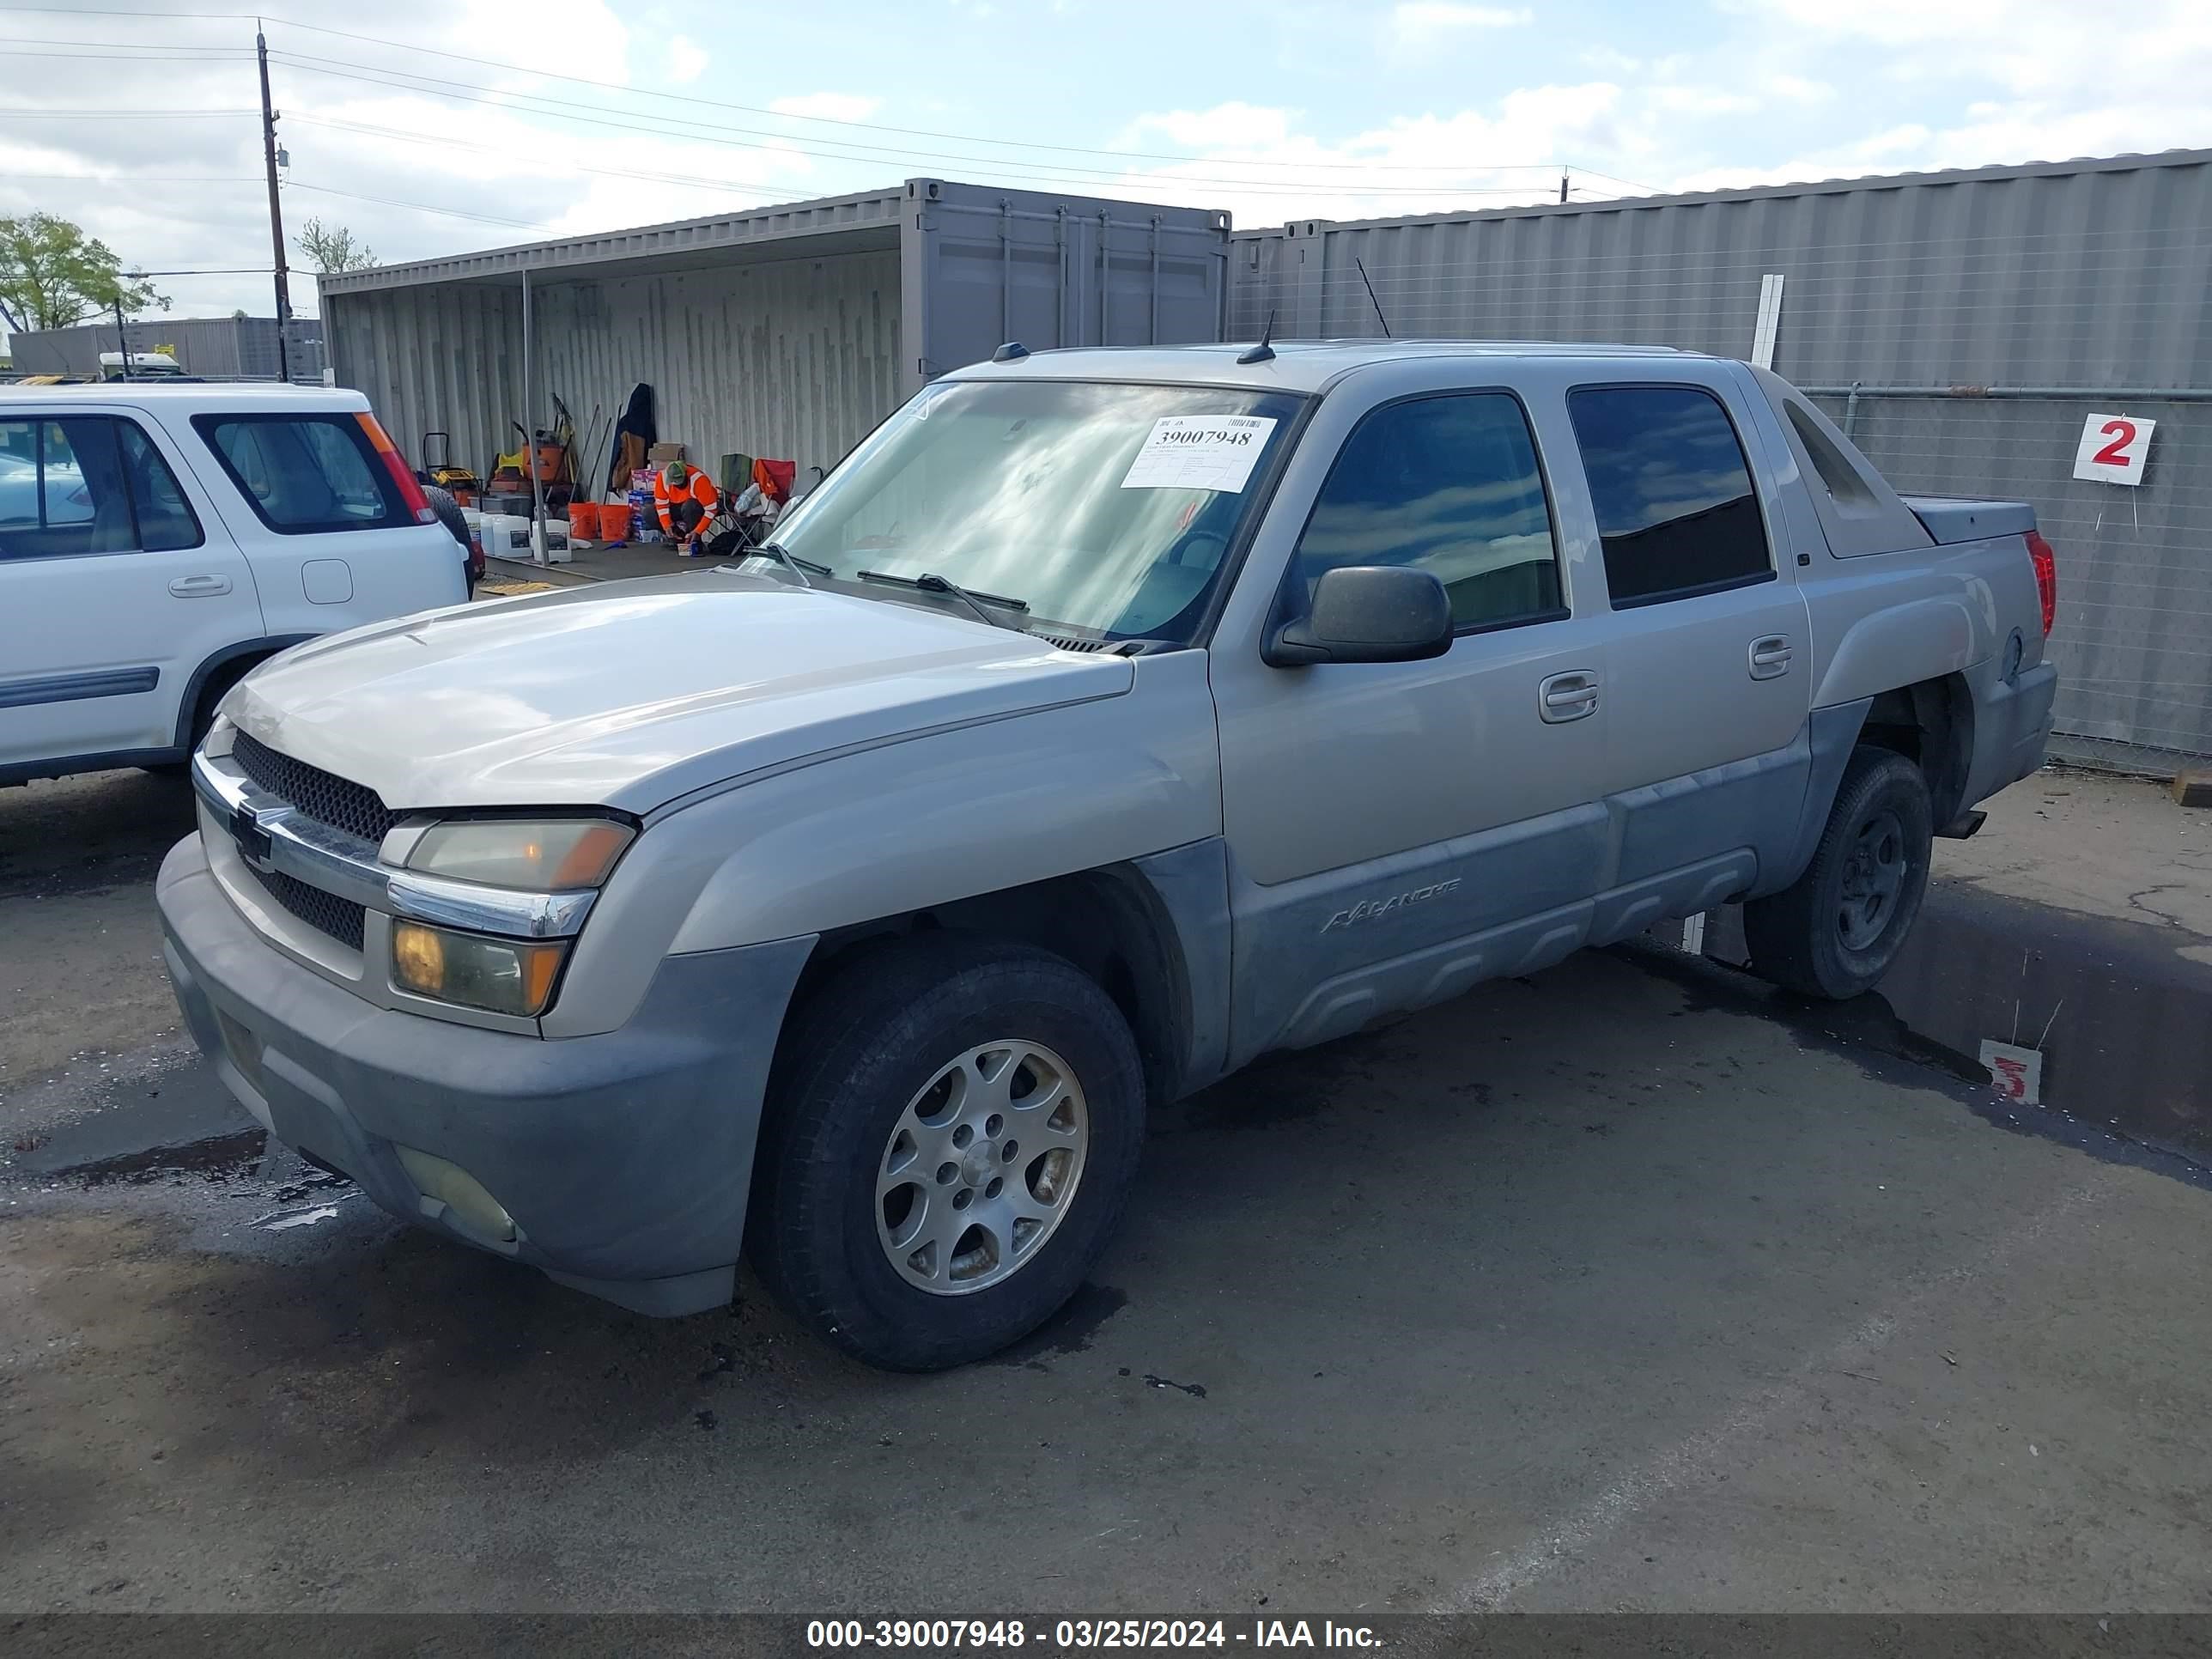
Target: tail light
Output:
{"points": [[2046, 577], [411, 490]]}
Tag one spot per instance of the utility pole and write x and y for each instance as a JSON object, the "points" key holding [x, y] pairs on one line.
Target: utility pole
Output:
{"points": [[264, 99], [276, 212], [122, 335]]}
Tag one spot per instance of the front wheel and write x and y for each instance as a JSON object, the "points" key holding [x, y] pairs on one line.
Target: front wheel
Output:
{"points": [[952, 1134], [1835, 931]]}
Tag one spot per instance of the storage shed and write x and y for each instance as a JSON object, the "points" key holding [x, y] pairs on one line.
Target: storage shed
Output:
{"points": [[787, 331]]}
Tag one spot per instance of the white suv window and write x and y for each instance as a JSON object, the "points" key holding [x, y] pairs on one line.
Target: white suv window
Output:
{"points": [[75, 484], [306, 474]]}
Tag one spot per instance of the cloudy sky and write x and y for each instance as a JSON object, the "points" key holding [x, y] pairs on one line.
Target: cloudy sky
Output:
{"points": [[435, 126]]}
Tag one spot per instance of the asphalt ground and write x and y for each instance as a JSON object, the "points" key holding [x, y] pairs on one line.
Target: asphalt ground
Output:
{"points": [[1631, 1285]]}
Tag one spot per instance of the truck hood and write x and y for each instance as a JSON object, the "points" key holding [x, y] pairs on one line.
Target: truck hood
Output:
{"points": [[630, 694]]}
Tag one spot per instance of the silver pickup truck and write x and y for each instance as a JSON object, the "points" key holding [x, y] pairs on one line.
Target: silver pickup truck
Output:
{"points": [[1107, 720]]}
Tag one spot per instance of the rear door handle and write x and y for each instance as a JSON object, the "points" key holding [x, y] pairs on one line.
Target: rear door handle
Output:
{"points": [[199, 587], [1770, 657], [1568, 696]]}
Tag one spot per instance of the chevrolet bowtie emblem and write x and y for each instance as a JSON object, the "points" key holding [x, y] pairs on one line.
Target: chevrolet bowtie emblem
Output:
{"points": [[252, 840]]}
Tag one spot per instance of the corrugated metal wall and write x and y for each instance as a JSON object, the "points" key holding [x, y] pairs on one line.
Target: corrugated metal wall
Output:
{"points": [[447, 357], [786, 333], [792, 358], [2090, 275], [993, 266]]}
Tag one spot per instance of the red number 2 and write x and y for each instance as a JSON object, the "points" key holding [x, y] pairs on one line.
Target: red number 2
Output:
{"points": [[2114, 454]]}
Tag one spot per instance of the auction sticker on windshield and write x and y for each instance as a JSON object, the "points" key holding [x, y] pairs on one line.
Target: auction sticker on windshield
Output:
{"points": [[1199, 451]]}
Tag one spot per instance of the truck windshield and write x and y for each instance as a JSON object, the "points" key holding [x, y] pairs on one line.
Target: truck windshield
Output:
{"points": [[1108, 508]]}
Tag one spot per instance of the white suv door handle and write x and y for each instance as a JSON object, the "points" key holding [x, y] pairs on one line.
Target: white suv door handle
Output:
{"points": [[1568, 696], [199, 587], [1770, 657]]}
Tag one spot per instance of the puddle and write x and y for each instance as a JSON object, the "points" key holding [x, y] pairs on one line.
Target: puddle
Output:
{"points": [[2124, 1022], [221, 1158], [1070, 1331], [307, 1215]]}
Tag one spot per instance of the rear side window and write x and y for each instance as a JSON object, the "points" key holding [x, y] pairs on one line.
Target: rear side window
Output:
{"points": [[166, 522], [306, 474], [79, 485], [1676, 507], [1450, 484]]}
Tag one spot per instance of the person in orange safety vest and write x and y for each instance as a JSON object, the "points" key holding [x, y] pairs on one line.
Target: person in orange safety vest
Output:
{"points": [[686, 499]]}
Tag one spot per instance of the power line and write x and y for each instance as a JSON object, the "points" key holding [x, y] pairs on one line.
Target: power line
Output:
{"points": [[139, 57], [123, 114], [107, 45], [370, 130], [912, 132], [1615, 179], [105, 179], [660, 99], [413, 206], [705, 132]]}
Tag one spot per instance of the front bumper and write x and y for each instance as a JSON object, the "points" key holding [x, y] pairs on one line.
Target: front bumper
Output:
{"points": [[624, 1159]]}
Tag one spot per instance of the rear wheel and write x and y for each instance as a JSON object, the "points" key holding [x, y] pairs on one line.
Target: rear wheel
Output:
{"points": [[953, 1131], [1836, 930], [457, 524]]}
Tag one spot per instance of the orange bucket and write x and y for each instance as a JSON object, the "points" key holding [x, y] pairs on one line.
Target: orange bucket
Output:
{"points": [[583, 520]]}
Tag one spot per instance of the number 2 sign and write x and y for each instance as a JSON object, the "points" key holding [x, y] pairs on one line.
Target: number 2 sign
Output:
{"points": [[2113, 449]]}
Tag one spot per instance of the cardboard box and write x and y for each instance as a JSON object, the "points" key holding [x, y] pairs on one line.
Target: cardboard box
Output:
{"points": [[661, 454]]}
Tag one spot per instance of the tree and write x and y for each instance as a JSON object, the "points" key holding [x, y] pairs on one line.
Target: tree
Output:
{"points": [[332, 248], [53, 275]]}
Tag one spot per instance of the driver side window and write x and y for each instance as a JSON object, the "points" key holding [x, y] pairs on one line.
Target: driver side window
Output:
{"points": [[1448, 484]]}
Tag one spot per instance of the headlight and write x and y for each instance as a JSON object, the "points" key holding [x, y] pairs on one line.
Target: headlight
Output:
{"points": [[503, 976], [541, 855]]}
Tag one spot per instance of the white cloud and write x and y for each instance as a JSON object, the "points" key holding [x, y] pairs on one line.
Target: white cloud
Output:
{"points": [[1703, 100], [829, 105], [686, 60], [1420, 20], [1263, 167]]}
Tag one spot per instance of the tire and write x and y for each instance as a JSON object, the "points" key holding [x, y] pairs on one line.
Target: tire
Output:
{"points": [[449, 514], [1835, 931], [914, 1276]]}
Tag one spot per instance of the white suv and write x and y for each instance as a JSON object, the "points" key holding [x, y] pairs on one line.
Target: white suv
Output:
{"points": [[158, 541]]}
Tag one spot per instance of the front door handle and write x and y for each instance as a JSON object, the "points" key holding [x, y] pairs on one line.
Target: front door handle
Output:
{"points": [[1770, 657], [1568, 696], [199, 587]]}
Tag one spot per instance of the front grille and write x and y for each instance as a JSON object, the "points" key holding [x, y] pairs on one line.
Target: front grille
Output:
{"points": [[314, 794], [326, 913]]}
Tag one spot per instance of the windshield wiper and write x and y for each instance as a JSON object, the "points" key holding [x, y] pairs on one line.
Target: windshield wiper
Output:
{"points": [[929, 583], [783, 555]]}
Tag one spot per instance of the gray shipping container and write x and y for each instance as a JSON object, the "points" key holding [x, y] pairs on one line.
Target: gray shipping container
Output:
{"points": [[1981, 316], [227, 348], [785, 332]]}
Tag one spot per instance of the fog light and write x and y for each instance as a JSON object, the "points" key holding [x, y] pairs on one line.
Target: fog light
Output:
{"points": [[501, 975], [448, 1186]]}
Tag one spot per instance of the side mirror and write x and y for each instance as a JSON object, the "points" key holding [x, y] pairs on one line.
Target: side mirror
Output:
{"points": [[1367, 613]]}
